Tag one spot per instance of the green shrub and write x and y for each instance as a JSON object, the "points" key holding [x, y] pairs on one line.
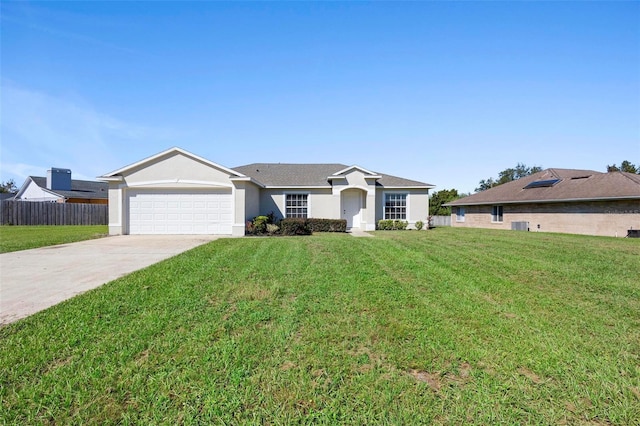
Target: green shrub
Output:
{"points": [[385, 225], [295, 226], [389, 225], [260, 224], [419, 225], [327, 225], [400, 224]]}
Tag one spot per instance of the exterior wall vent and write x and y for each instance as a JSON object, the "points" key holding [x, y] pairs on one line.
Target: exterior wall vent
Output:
{"points": [[59, 179]]}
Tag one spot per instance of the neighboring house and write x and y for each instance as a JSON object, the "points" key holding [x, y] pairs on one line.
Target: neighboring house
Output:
{"points": [[177, 192], [556, 200], [6, 196], [58, 187]]}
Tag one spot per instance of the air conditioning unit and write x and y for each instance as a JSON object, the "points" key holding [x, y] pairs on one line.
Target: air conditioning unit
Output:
{"points": [[519, 226]]}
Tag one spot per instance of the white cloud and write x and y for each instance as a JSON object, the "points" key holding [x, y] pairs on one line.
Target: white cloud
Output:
{"points": [[39, 131]]}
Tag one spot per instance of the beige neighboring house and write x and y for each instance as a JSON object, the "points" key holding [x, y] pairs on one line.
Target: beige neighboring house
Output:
{"points": [[177, 192], [556, 200]]}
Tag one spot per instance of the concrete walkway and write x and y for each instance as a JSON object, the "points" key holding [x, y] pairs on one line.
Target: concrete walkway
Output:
{"points": [[33, 280]]}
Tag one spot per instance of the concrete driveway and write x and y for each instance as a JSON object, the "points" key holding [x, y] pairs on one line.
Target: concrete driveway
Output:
{"points": [[33, 280]]}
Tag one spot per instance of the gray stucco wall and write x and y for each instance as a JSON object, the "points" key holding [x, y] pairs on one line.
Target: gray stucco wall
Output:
{"points": [[322, 203], [417, 208], [252, 201], [177, 168]]}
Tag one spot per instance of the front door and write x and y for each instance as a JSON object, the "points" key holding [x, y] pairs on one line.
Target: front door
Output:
{"points": [[351, 204]]}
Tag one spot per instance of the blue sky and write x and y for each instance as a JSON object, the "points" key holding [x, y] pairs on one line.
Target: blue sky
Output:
{"points": [[447, 93]]}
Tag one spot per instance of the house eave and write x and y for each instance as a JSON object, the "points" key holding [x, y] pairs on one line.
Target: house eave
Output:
{"points": [[408, 187], [246, 179], [561, 200], [297, 187], [166, 183], [24, 187], [345, 177]]}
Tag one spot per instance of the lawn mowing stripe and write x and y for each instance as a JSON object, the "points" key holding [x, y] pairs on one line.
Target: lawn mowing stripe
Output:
{"points": [[329, 329]]}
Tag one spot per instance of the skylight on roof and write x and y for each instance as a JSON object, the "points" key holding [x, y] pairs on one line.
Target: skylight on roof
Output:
{"points": [[542, 183]]}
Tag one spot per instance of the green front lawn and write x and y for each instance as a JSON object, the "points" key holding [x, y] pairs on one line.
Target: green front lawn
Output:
{"points": [[15, 238], [449, 326]]}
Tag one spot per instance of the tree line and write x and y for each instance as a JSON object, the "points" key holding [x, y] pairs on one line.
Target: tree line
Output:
{"points": [[625, 166]]}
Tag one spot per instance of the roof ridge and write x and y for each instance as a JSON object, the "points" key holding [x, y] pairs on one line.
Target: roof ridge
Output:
{"points": [[554, 172], [559, 173], [295, 164], [630, 176], [76, 180]]}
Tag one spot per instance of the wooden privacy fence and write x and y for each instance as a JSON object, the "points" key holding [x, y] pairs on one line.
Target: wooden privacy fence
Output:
{"points": [[43, 213]]}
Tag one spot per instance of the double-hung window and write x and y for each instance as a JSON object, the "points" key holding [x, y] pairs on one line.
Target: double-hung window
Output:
{"points": [[496, 214], [297, 205], [395, 206], [459, 214]]}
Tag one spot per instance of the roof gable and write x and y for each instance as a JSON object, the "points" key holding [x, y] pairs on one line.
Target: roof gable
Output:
{"points": [[349, 169], [162, 155]]}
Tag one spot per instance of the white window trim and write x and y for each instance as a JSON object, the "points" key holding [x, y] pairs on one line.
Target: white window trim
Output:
{"points": [[460, 217], [284, 201], [384, 204], [492, 215]]}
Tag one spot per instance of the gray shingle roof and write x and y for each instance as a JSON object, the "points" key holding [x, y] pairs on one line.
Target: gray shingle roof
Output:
{"points": [[278, 174], [6, 196], [79, 188], [573, 185], [393, 181], [305, 175]]}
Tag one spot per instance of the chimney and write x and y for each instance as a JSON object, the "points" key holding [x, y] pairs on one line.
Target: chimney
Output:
{"points": [[59, 179]]}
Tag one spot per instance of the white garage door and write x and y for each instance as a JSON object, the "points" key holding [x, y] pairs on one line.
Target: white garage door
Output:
{"points": [[180, 212]]}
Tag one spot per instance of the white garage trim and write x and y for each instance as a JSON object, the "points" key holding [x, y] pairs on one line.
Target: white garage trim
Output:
{"points": [[120, 191], [179, 211], [163, 183]]}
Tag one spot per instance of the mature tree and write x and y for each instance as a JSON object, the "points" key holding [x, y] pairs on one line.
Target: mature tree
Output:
{"points": [[486, 184], [439, 198], [8, 186], [625, 166], [507, 175]]}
